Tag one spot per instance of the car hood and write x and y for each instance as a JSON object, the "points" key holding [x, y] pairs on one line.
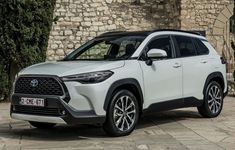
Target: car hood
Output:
{"points": [[64, 68]]}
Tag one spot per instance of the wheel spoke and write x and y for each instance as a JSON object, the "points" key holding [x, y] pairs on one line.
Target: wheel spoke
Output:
{"points": [[214, 90], [210, 93], [116, 106], [122, 104], [210, 100], [126, 102], [127, 123], [118, 114], [118, 121], [128, 116], [131, 112], [218, 97], [122, 126], [130, 105], [217, 92], [215, 108], [210, 106], [218, 103]]}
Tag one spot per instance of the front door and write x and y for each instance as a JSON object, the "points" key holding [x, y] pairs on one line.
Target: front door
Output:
{"points": [[163, 79]]}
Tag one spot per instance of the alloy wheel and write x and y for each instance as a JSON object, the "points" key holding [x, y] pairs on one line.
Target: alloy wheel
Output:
{"points": [[124, 113], [215, 99]]}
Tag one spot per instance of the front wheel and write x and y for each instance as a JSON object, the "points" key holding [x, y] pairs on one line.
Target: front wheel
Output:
{"points": [[122, 115], [213, 101], [42, 125]]}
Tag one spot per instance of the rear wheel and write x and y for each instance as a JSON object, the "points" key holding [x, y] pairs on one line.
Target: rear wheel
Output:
{"points": [[213, 101], [42, 125], [122, 115]]}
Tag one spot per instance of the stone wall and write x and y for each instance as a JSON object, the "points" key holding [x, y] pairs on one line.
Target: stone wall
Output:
{"points": [[213, 17], [81, 20]]}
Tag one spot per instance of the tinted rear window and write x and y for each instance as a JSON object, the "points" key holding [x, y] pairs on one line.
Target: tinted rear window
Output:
{"points": [[200, 47], [186, 46]]}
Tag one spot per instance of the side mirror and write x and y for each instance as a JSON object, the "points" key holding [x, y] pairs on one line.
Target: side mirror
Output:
{"points": [[155, 53]]}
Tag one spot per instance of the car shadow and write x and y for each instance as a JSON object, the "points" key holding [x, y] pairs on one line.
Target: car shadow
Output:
{"points": [[21, 129]]}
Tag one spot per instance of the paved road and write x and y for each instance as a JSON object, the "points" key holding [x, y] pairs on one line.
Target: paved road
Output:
{"points": [[177, 130]]}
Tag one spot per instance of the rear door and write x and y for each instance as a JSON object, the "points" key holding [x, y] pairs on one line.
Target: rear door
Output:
{"points": [[195, 65]]}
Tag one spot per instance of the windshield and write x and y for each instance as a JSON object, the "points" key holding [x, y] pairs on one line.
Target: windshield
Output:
{"points": [[107, 48]]}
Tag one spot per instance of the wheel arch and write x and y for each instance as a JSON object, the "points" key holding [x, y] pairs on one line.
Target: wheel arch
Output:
{"points": [[130, 84], [215, 76]]}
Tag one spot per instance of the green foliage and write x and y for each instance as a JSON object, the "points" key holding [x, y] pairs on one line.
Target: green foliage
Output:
{"points": [[24, 31], [3, 79]]}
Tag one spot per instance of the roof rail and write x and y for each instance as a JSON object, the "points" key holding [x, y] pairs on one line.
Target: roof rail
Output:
{"points": [[191, 32], [107, 33]]}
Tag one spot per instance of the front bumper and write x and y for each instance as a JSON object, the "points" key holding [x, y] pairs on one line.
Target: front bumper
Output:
{"points": [[38, 118], [56, 110]]}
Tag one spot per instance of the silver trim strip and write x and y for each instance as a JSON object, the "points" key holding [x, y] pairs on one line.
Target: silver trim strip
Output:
{"points": [[38, 118]]}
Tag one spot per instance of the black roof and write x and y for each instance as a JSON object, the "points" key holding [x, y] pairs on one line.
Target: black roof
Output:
{"points": [[142, 33], [126, 33]]}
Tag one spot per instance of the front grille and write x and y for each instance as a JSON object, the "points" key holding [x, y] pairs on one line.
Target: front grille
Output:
{"points": [[44, 86], [36, 110]]}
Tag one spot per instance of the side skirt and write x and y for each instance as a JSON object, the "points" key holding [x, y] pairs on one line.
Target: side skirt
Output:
{"points": [[173, 104]]}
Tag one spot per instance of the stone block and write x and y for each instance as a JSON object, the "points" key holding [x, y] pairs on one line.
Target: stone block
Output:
{"points": [[60, 52], [76, 19], [54, 46], [68, 32], [109, 1], [219, 24], [50, 52], [227, 13]]}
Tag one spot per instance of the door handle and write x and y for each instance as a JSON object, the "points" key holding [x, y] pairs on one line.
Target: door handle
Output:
{"points": [[177, 65], [203, 61]]}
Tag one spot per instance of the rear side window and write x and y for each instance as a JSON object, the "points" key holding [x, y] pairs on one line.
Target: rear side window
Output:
{"points": [[185, 46], [200, 47]]}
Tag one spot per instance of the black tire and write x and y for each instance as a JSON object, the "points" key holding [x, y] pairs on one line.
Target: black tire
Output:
{"points": [[129, 118], [206, 110], [42, 125]]}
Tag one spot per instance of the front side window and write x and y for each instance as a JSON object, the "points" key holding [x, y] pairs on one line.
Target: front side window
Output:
{"points": [[163, 43], [185, 46], [107, 48]]}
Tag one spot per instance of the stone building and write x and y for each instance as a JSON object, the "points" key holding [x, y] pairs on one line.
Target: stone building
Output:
{"points": [[80, 20]]}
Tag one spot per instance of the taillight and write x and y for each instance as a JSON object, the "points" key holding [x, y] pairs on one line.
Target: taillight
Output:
{"points": [[223, 60]]}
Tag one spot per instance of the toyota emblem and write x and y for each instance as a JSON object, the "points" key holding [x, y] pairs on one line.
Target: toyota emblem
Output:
{"points": [[34, 83]]}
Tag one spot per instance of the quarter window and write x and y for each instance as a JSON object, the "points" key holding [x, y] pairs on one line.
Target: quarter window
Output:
{"points": [[200, 47], [185, 46]]}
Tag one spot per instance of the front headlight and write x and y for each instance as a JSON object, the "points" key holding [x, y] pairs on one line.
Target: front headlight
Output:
{"points": [[92, 77]]}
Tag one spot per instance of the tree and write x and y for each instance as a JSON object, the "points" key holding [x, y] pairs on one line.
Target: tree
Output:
{"points": [[24, 32]]}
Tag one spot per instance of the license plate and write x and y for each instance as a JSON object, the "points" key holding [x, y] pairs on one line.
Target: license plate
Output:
{"points": [[32, 101]]}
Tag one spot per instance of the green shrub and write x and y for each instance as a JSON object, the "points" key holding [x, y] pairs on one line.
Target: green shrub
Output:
{"points": [[24, 31]]}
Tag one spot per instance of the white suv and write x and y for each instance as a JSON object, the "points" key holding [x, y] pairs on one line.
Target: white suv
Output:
{"points": [[118, 76]]}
